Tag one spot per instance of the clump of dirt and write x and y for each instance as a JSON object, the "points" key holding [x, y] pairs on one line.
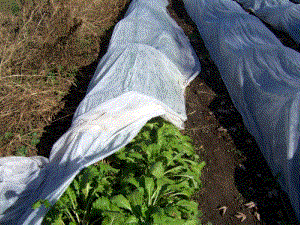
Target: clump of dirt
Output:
{"points": [[43, 44]]}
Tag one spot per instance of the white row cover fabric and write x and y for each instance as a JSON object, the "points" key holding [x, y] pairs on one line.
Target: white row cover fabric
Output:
{"points": [[143, 75], [263, 79], [281, 14]]}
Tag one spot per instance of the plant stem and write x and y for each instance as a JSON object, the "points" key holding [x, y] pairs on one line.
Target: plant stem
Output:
{"points": [[74, 208]]}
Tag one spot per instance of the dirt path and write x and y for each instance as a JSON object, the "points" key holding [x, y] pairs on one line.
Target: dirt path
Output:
{"points": [[236, 172]]}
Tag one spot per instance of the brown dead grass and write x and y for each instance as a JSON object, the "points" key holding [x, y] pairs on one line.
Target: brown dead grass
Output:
{"points": [[42, 45]]}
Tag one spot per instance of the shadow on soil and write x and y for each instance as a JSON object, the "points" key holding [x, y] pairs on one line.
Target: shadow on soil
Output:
{"points": [[253, 178]]}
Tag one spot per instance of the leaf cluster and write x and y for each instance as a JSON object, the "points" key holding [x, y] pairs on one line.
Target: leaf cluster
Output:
{"points": [[150, 181]]}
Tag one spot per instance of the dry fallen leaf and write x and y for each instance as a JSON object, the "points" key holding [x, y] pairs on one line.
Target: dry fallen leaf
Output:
{"points": [[250, 205], [256, 214], [223, 208], [221, 129], [241, 216]]}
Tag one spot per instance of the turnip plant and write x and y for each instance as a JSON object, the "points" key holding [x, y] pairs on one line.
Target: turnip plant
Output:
{"points": [[150, 181]]}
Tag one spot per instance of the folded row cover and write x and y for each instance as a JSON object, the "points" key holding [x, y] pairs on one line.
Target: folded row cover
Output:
{"points": [[281, 14], [263, 79], [143, 75]]}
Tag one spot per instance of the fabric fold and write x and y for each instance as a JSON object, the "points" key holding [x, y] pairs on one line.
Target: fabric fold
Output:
{"points": [[143, 75]]}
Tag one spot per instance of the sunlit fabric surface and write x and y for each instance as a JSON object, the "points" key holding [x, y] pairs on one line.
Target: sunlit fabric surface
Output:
{"points": [[283, 15], [143, 75], [263, 79]]}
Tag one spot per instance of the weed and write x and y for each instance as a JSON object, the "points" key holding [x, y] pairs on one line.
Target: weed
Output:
{"points": [[22, 151], [10, 6], [8, 135]]}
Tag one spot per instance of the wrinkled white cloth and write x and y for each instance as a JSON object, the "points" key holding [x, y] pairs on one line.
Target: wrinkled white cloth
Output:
{"points": [[143, 75], [263, 79], [281, 14]]}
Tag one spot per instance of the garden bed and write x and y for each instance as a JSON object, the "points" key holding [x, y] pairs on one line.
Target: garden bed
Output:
{"points": [[235, 173]]}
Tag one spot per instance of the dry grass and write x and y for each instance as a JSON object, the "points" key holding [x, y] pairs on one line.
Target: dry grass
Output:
{"points": [[42, 45]]}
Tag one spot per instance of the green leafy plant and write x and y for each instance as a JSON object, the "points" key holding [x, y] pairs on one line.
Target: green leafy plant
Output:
{"points": [[34, 138], [11, 6], [22, 151], [150, 181]]}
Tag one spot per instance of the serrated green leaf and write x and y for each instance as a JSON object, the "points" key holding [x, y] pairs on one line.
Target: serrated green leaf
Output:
{"points": [[122, 202], [136, 155], [85, 178], [121, 155], [115, 209], [161, 182], [72, 196], [133, 181], [86, 190], [163, 219], [191, 162], [144, 209], [58, 222], [191, 222], [131, 220], [37, 204], [94, 172], [136, 198], [157, 170], [75, 185], [105, 168], [176, 169], [102, 203], [100, 188], [190, 205], [47, 204], [201, 165], [54, 221], [114, 218], [41, 202]]}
